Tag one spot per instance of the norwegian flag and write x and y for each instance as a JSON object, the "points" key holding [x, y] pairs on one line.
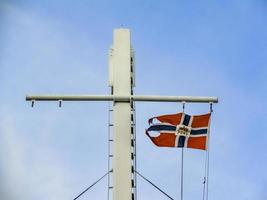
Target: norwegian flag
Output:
{"points": [[180, 130]]}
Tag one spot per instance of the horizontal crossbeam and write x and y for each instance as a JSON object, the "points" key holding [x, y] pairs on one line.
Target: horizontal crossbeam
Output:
{"points": [[188, 99]]}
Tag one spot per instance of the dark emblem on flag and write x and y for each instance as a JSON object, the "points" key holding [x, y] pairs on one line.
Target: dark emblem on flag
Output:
{"points": [[183, 130]]}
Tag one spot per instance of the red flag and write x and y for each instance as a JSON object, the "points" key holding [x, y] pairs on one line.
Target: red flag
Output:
{"points": [[180, 130]]}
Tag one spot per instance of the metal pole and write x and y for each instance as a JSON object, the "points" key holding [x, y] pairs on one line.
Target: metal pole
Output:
{"points": [[122, 98], [121, 66]]}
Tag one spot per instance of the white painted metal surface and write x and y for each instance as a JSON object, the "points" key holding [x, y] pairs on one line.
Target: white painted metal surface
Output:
{"points": [[116, 98], [122, 189]]}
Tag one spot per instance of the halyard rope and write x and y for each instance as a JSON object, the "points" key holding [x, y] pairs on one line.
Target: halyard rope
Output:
{"points": [[79, 195], [154, 185]]}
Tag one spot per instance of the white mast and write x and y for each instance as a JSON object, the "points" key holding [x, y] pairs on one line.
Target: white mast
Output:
{"points": [[121, 80]]}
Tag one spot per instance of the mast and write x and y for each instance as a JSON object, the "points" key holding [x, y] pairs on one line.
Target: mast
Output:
{"points": [[122, 81]]}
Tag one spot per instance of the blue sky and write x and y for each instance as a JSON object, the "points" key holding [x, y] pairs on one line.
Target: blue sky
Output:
{"points": [[182, 48]]}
